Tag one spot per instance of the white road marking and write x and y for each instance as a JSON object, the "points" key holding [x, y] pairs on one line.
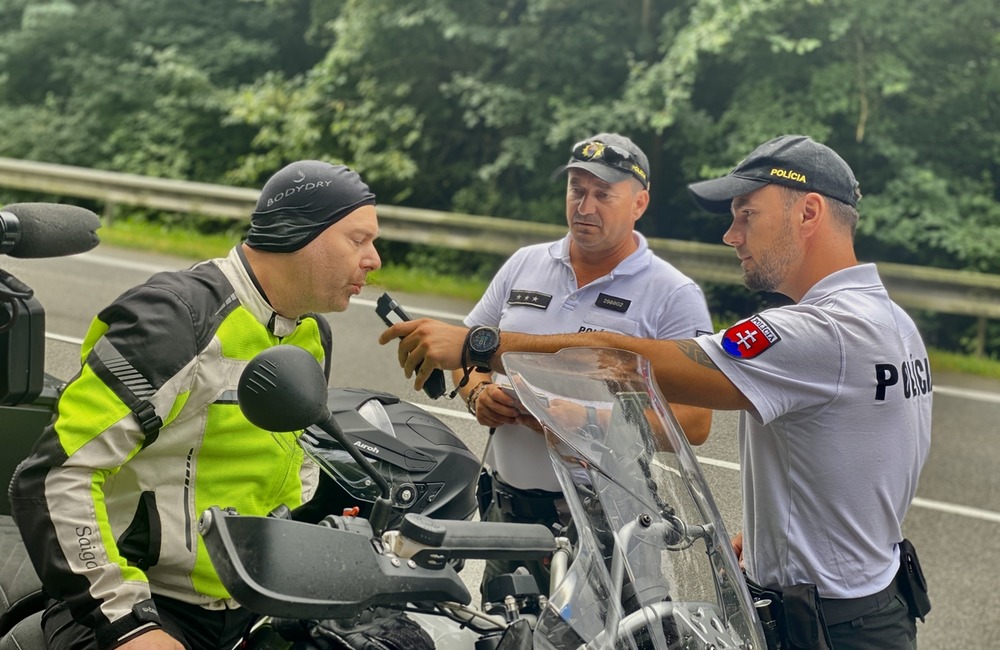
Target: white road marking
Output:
{"points": [[968, 393]]}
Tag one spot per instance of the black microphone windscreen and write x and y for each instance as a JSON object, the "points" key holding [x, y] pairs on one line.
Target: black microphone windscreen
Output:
{"points": [[53, 229]]}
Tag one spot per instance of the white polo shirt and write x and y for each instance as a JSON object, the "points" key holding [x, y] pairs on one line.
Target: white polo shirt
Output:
{"points": [[841, 427], [535, 292]]}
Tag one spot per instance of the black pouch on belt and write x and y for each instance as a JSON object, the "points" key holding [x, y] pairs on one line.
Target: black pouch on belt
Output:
{"points": [[804, 624], [911, 581], [767, 604], [484, 492]]}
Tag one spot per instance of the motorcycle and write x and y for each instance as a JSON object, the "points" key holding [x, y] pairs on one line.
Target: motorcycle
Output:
{"points": [[431, 471], [646, 562]]}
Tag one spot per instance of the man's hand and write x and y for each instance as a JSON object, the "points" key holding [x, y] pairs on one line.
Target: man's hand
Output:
{"points": [[427, 344], [737, 542], [495, 407], [156, 639]]}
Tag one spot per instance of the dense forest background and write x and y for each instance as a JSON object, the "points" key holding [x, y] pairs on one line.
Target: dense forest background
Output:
{"points": [[468, 105]]}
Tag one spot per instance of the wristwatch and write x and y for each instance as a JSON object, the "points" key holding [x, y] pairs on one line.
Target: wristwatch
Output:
{"points": [[482, 342]]}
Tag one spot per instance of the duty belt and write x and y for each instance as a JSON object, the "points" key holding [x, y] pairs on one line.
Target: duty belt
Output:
{"points": [[525, 504], [842, 610]]}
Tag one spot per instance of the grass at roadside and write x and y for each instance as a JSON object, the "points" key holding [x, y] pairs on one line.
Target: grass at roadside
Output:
{"points": [[179, 242], [403, 278], [942, 361], [197, 246]]}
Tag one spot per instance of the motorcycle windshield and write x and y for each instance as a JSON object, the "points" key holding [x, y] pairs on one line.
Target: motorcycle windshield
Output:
{"points": [[653, 566]]}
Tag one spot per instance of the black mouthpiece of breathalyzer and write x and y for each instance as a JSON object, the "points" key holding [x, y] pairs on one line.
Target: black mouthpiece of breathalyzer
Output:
{"points": [[30, 230]]}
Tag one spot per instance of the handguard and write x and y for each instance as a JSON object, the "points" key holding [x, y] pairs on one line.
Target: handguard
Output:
{"points": [[291, 569]]}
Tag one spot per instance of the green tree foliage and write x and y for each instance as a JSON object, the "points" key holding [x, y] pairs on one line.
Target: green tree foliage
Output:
{"points": [[469, 105], [908, 92], [452, 104], [139, 85]]}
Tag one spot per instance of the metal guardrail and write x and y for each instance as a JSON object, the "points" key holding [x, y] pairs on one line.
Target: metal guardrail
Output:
{"points": [[939, 290]]}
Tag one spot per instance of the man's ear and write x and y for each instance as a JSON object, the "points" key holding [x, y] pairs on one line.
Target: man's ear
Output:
{"points": [[814, 210], [639, 204]]}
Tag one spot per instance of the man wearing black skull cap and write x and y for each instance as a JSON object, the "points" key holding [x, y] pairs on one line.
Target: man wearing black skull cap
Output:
{"points": [[149, 434]]}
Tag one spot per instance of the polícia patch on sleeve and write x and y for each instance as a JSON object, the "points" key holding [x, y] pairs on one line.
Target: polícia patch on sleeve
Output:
{"points": [[748, 339]]}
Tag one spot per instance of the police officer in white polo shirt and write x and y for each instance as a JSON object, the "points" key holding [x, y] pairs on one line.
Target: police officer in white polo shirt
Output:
{"points": [[835, 393], [838, 388], [600, 277]]}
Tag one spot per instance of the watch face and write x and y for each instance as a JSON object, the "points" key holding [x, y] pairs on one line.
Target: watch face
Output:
{"points": [[483, 339]]}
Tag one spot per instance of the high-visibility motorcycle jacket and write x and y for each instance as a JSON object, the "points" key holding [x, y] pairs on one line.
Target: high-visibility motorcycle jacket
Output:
{"points": [[147, 436]]}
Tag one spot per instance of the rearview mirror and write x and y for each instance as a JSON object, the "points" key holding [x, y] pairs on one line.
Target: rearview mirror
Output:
{"points": [[283, 389]]}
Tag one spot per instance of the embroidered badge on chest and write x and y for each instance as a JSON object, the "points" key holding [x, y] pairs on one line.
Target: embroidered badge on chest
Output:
{"points": [[748, 339], [529, 299], [604, 301]]}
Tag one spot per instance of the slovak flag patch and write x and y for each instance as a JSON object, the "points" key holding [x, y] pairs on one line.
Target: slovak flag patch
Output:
{"points": [[748, 339]]}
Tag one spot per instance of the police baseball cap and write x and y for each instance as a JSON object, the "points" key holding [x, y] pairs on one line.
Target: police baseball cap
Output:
{"points": [[611, 157], [301, 201], [792, 160]]}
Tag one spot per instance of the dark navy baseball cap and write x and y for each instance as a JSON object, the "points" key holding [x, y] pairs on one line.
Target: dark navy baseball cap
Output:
{"points": [[611, 157], [795, 161]]}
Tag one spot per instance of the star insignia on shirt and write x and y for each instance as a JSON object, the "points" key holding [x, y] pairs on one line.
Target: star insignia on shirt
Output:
{"points": [[529, 298]]}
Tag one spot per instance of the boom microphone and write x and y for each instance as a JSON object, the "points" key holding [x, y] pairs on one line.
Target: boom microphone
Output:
{"points": [[47, 230]]}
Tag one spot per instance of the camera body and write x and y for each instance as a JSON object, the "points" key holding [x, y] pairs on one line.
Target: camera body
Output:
{"points": [[22, 346]]}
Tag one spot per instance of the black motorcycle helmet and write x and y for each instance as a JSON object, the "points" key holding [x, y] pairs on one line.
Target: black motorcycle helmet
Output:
{"points": [[430, 470]]}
